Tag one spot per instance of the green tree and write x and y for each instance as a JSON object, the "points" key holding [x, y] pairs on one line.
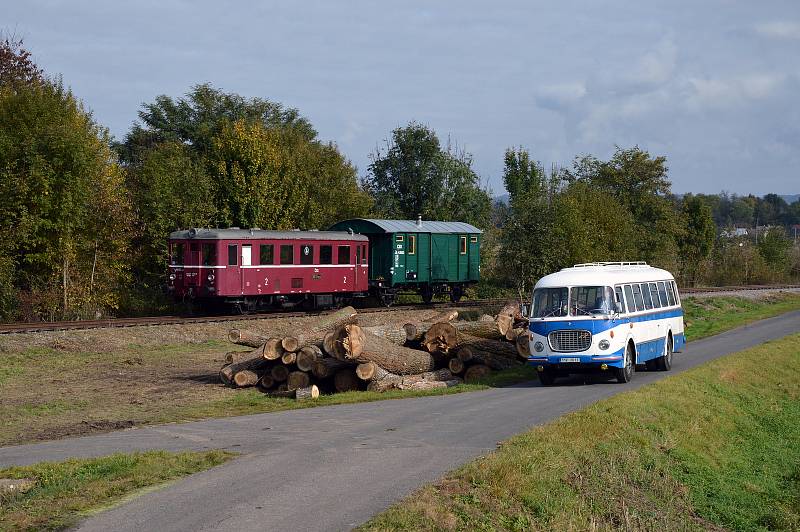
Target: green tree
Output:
{"points": [[696, 241], [414, 175], [774, 247]]}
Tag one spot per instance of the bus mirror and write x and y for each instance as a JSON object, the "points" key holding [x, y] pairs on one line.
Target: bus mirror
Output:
{"points": [[523, 310]]}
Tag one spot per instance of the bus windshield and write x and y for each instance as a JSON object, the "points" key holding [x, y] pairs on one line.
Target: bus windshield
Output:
{"points": [[549, 302], [591, 300]]}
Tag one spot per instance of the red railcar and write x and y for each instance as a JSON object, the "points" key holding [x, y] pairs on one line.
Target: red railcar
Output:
{"points": [[253, 268]]}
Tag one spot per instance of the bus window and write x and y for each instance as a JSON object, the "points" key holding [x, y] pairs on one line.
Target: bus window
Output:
{"points": [[648, 303], [629, 298], [620, 298], [677, 295], [662, 294], [654, 295], [670, 294], [637, 297]]}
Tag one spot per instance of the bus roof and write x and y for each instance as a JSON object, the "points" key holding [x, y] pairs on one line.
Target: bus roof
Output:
{"points": [[604, 274]]}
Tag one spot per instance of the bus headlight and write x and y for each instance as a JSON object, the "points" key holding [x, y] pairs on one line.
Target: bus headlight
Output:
{"points": [[538, 347], [604, 344], [210, 277]]}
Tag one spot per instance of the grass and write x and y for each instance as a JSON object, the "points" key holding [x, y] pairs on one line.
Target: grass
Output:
{"points": [[716, 447], [50, 393], [66, 491]]}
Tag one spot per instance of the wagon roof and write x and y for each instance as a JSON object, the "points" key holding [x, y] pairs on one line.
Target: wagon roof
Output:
{"points": [[260, 234], [414, 226]]}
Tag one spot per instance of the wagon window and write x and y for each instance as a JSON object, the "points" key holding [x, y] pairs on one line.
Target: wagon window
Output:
{"points": [[412, 244], [670, 294], [399, 238], [637, 297], [287, 254], [306, 254], [266, 254], [473, 239], [326, 254], [194, 246], [648, 303], [662, 294], [654, 295], [233, 254], [629, 298], [358, 254], [463, 245], [177, 253], [363, 254], [209, 254], [344, 255]]}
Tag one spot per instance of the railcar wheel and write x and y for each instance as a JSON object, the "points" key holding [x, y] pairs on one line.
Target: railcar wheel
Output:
{"points": [[664, 362], [625, 373], [547, 378], [456, 293], [426, 293]]}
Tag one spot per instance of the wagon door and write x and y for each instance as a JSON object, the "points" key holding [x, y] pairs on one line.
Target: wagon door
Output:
{"points": [[247, 260], [233, 276], [440, 254], [463, 257]]}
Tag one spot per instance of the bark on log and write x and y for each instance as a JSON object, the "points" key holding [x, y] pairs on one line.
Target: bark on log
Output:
{"points": [[327, 367], [309, 392], [234, 357], [493, 347], [308, 356], [279, 373], [481, 329], [391, 381], [361, 347], [431, 385], [325, 323], [346, 380], [455, 365], [476, 372], [297, 379], [415, 330], [245, 378], [249, 360], [289, 358], [469, 353], [392, 332], [248, 338]]}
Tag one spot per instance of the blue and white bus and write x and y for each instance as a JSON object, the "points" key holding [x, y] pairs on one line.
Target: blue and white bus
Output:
{"points": [[605, 316]]}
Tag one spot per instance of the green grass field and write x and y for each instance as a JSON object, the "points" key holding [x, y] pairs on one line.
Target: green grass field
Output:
{"points": [[66, 491], [717, 447]]}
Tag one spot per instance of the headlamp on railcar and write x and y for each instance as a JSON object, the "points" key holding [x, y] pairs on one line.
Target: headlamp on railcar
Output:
{"points": [[172, 277], [210, 277]]}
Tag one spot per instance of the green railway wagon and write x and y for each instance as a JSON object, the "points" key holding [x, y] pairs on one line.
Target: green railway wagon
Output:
{"points": [[427, 257]]}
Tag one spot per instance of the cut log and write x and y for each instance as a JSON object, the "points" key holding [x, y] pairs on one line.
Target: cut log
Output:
{"points": [[391, 381], [431, 385], [290, 344], [476, 372], [415, 330], [250, 339], [512, 334], [441, 336], [234, 357], [493, 347], [392, 332], [248, 360], [470, 353], [273, 350], [332, 342], [327, 367], [481, 329], [266, 382], [297, 379], [289, 358], [486, 317], [308, 356], [506, 317], [279, 373], [455, 365], [447, 315], [523, 346], [326, 323], [245, 378], [309, 392], [361, 347], [346, 380]]}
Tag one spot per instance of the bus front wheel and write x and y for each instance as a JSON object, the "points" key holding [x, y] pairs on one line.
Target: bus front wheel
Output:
{"points": [[625, 373]]}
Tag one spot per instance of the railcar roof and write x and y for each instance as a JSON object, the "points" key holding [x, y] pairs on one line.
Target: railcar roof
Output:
{"points": [[262, 234], [414, 226], [603, 275]]}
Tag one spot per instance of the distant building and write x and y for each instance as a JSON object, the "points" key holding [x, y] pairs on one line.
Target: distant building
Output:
{"points": [[734, 232]]}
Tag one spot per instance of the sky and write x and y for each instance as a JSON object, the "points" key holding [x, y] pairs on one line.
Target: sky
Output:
{"points": [[712, 85]]}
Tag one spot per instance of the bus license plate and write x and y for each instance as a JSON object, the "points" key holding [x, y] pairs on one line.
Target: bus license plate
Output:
{"points": [[570, 359]]}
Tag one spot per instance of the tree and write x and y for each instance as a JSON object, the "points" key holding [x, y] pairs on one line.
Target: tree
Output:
{"points": [[696, 241], [774, 248], [16, 64], [414, 176]]}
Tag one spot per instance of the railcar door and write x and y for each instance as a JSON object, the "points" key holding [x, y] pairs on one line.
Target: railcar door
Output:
{"points": [[233, 274], [247, 260]]}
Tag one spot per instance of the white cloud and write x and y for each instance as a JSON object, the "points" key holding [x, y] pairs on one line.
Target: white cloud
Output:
{"points": [[560, 96], [732, 91], [780, 29]]}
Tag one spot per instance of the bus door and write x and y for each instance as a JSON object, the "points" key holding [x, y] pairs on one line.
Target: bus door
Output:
{"points": [[247, 260]]}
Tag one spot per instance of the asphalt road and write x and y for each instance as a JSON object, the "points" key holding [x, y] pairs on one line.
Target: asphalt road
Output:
{"points": [[333, 468]]}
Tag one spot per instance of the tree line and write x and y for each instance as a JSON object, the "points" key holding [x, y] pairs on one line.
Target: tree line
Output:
{"points": [[84, 217]]}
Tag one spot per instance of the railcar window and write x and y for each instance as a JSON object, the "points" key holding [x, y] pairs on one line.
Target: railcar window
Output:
{"points": [[358, 254], [177, 254], [209, 254], [654, 295], [629, 298], [620, 297], [363, 254], [473, 239], [670, 294], [287, 254], [412, 244], [193, 247], [662, 294], [637, 297], [326, 254], [306, 254], [344, 255], [233, 254], [266, 254], [399, 238], [648, 303], [463, 240]]}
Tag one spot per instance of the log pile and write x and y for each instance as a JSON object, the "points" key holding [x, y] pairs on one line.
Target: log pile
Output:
{"points": [[339, 355]]}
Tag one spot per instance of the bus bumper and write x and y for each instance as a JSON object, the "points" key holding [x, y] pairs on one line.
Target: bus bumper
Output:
{"points": [[578, 362]]}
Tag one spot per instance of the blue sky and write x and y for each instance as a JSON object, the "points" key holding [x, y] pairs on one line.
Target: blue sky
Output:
{"points": [[714, 86]]}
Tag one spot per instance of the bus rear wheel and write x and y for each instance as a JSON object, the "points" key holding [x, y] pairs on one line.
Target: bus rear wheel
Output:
{"points": [[625, 373]]}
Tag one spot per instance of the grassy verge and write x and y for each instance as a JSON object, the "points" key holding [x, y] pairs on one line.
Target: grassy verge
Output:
{"points": [[50, 393], [718, 446], [65, 491]]}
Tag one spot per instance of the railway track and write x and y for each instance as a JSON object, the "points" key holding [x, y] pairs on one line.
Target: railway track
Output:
{"points": [[10, 328]]}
